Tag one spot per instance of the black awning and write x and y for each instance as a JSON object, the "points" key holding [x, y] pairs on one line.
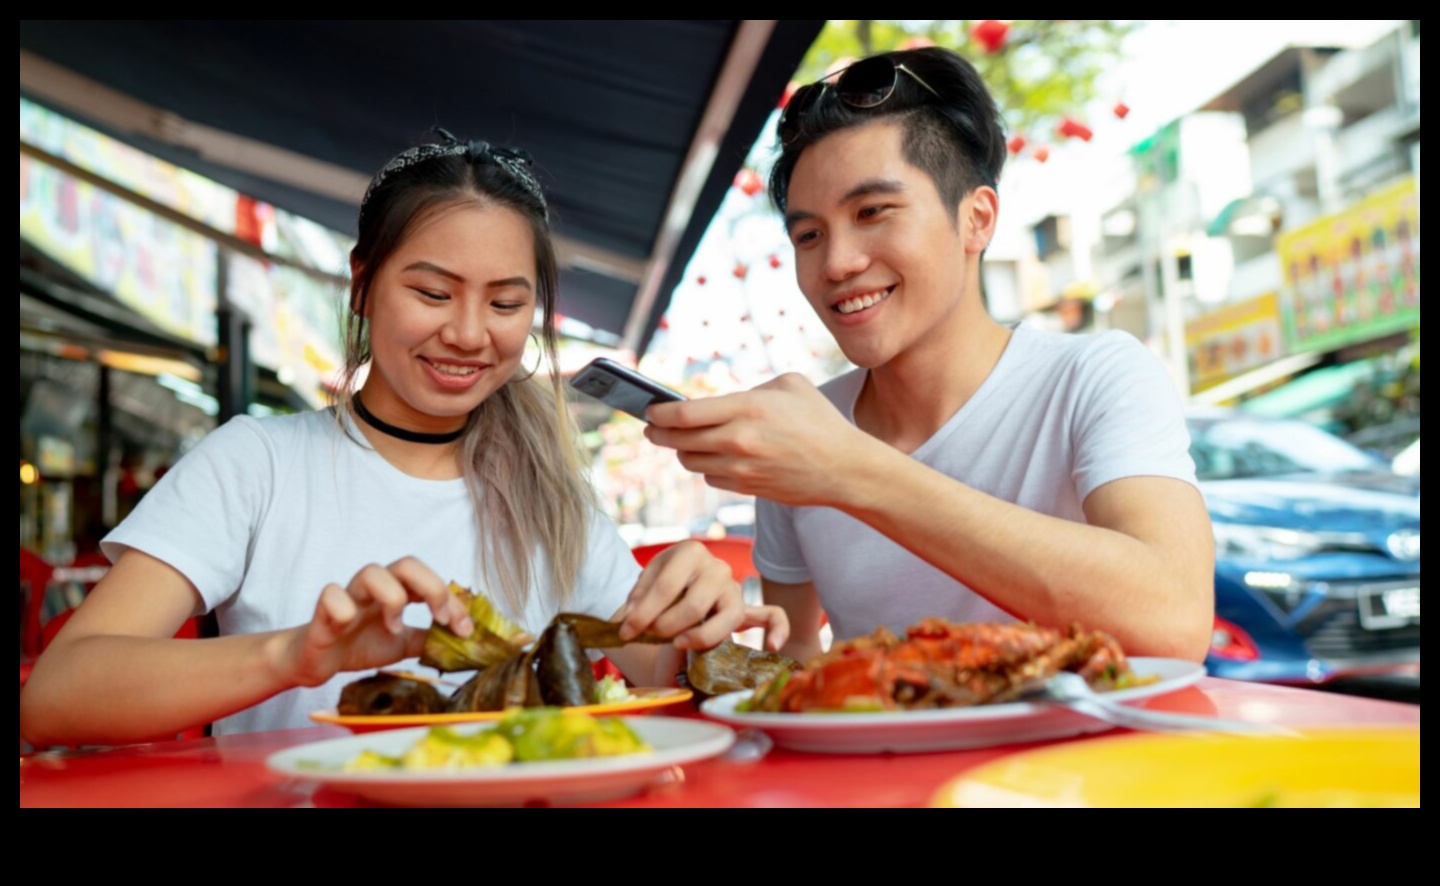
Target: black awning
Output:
{"points": [[637, 127]]}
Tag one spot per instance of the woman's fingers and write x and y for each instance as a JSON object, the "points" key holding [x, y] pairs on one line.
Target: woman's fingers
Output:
{"points": [[335, 612], [685, 593], [429, 588], [773, 619]]}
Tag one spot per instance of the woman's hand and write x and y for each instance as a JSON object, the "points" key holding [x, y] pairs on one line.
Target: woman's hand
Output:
{"points": [[358, 626], [688, 594]]}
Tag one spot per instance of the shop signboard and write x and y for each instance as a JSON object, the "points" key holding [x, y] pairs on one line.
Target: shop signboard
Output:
{"points": [[295, 323], [1233, 339], [1355, 275], [163, 271]]}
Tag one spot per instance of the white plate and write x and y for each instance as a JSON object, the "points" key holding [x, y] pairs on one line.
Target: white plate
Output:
{"points": [[946, 729], [676, 742]]}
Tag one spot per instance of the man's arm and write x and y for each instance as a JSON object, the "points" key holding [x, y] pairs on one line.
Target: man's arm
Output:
{"points": [[802, 609], [1140, 569]]}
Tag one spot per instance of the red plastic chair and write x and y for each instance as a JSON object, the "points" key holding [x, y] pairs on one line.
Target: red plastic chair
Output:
{"points": [[35, 577], [733, 549], [39, 636]]}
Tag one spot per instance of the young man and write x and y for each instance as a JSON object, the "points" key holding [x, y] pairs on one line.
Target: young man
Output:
{"points": [[966, 469]]}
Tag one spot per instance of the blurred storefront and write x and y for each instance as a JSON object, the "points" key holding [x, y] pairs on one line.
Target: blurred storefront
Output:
{"points": [[153, 305]]}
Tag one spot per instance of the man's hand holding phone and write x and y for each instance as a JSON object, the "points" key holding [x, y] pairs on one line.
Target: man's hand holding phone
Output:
{"points": [[621, 387]]}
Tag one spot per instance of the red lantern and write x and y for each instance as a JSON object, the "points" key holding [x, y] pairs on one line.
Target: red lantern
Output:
{"points": [[774, 261], [1072, 128], [1041, 154], [700, 280], [1016, 144], [991, 34], [748, 181], [740, 271], [1121, 110], [790, 89]]}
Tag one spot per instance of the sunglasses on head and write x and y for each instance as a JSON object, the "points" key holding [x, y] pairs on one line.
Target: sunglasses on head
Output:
{"points": [[863, 85]]}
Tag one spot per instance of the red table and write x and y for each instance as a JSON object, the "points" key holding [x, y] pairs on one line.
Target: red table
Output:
{"points": [[230, 771]]}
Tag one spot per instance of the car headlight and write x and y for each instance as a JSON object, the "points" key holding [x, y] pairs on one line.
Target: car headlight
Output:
{"points": [[1266, 542]]}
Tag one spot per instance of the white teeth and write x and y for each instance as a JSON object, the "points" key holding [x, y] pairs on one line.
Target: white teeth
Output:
{"points": [[452, 369], [860, 302]]}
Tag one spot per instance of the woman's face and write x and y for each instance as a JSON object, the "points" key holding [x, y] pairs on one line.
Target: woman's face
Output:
{"points": [[450, 312]]}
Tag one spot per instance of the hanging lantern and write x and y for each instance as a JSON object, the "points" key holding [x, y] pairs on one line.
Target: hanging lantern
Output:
{"points": [[790, 89], [1041, 154], [748, 181], [1072, 128], [774, 261], [990, 33], [1121, 110], [1016, 144], [740, 271], [700, 280]]}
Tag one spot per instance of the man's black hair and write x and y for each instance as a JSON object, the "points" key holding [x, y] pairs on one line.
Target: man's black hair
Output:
{"points": [[954, 134]]}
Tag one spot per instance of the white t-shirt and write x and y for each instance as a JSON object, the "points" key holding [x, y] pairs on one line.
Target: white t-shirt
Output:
{"points": [[1058, 417], [262, 514]]}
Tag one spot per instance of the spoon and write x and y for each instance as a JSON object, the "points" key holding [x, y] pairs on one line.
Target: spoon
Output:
{"points": [[1070, 690]]}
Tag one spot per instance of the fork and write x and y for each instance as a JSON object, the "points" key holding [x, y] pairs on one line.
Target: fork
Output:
{"points": [[1070, 690]]}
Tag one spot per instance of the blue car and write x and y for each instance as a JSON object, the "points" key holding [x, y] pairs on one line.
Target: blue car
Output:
{"points": [[1317, 553]]}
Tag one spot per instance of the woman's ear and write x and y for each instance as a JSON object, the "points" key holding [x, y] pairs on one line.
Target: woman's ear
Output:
{"points": [[357, 303]]}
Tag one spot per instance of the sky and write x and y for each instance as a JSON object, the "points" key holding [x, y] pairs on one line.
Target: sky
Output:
{"points": [[761, 323]]}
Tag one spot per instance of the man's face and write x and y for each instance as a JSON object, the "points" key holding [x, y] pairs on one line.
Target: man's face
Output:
{"points": [[879, 257]]}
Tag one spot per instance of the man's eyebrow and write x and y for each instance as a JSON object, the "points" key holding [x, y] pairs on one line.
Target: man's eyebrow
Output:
{"points": [[874, 186], [866, 188], [436, 269]]}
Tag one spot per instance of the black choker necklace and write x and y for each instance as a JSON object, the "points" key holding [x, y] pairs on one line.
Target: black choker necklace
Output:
{"points": [[401, 433]]}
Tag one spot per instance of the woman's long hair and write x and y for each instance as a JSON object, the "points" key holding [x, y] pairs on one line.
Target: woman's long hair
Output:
{"points": [[520, 452]]}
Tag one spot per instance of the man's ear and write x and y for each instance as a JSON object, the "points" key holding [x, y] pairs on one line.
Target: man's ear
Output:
{"points": [[979, 212]]}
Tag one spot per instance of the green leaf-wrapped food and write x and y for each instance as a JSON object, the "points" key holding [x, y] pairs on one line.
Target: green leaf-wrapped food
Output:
{"points": [[594, 633], [563, 669], [495, 638], [508, 684], [385, 694], [730, 667]]}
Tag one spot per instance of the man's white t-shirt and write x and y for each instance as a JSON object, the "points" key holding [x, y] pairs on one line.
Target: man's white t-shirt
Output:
{"points": [[262, 514], [1058, 417]]}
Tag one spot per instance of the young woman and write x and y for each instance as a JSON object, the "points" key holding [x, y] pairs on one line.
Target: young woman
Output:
{"points": [[325, 541]]}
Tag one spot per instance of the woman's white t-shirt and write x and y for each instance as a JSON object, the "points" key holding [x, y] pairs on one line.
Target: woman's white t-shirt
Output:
{"points": [[263, 513]]}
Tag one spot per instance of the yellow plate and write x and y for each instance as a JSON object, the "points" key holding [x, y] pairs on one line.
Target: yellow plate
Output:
{"points": [[645, 700], [1377, 766]]}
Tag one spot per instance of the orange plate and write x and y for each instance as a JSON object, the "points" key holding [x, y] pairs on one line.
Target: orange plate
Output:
{"points": [[646, 699]]}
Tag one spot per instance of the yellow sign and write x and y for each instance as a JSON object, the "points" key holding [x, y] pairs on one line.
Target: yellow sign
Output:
{"points": [[1354, 275], [1234, 339]]}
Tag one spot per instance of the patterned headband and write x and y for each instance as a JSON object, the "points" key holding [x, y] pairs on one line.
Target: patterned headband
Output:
{"points": [[513, 161]]}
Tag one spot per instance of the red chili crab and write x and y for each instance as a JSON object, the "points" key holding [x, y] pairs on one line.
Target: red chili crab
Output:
{"points": [[941, 665]]}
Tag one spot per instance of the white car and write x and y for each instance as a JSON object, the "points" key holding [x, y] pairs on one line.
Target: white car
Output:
{"points": [[1407, 461]]}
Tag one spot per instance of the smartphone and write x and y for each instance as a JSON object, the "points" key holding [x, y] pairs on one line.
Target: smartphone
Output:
{"points": [[621, 387]]}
